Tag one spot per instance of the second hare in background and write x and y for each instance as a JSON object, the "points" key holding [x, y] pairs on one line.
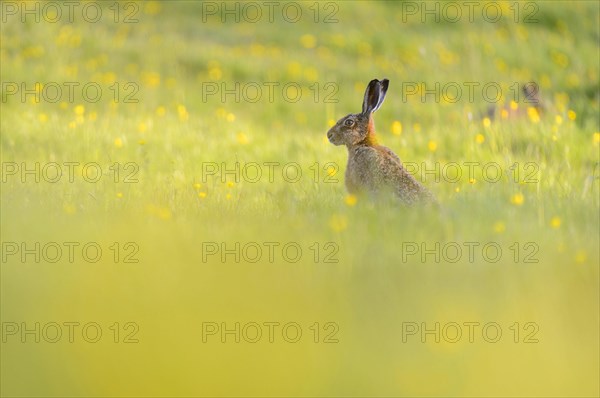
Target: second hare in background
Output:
{"points": [[373, 168], [531, 101]]}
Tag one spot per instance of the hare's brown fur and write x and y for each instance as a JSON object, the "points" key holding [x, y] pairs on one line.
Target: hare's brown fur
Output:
{"points": [[373, 168]]}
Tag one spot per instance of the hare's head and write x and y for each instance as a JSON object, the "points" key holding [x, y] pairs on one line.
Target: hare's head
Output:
{"points": [[358, 127], [532, 94]]}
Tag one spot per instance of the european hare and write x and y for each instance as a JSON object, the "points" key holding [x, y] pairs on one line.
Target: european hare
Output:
{"points": [[531, 99], [373, 168]]}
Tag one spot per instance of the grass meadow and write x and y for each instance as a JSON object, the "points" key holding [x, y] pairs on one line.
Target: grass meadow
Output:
{"points": [[166, 176]]}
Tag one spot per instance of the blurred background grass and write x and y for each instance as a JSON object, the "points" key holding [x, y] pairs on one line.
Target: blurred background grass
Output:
{"points": [[169, 53]]}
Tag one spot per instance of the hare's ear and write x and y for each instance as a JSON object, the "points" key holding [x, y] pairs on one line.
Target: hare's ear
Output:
{"points": [[383, 87], [374, 95]]}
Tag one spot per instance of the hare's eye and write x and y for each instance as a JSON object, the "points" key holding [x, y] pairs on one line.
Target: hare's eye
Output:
{"points": [[349, 122]]}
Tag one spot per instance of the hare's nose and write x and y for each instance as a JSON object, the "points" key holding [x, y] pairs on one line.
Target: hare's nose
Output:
{"points": [[329, 134]]}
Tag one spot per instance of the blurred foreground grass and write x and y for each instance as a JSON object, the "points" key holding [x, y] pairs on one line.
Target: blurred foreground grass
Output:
{"points": [[545, 201]]}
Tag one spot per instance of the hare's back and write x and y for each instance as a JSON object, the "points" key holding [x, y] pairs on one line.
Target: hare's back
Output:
{"points": [[394, 174], [376, 164]]}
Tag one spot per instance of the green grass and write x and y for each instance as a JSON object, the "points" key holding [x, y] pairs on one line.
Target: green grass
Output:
{"points": [[550, 208]]}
